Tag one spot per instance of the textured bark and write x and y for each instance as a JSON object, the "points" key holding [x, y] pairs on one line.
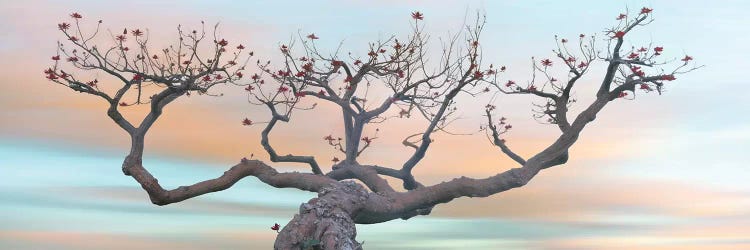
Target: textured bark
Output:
{"points": [[325, 222]]}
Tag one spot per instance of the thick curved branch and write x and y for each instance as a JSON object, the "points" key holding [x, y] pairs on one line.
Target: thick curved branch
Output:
{"points": [[263, 172], [286, 158]]}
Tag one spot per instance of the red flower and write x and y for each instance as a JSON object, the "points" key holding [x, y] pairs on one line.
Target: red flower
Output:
{"points": [[668, 78], [248, 122], [123, 104], [372, 54], [121, 38], [49, 71], [532, 88], [552, 79], [382, 51], [546, 62], [478, 74], [223, 43], [283, 89], [76, 15], [367, 140], [255, 77], [321, 93], [642, 49], [581, 36], [571, 59], [308, 67], [63, 26], [239, 74], [300, 94], [646, 87], [335, 159], [125, 49], [622, 94], [687, 58], [56, 58], [300, 74], [621, 16], [137, 32], [337, 63], [249, 88], [186, 62], [73, 39], [582, 65], [51, 76], [207, 78], [72, 59], [137, 77], [357, 62], [284, 49], [240, 46], [508, 126], [155, 57], [400, 73], [658, 50], [564, 40], [633, 55], [502, 68], [510, 83], [619, 34], [645, 10], [417, 15], [312, 36], [348, 79]]}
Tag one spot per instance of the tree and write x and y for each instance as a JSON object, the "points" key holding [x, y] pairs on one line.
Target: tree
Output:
{"points": [[400, 68]]}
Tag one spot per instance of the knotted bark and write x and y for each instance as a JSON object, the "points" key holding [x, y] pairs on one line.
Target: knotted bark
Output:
{"points": [[325, 222]]}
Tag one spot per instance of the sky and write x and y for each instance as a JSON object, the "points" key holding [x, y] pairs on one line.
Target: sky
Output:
{"points": [[657, 172]]}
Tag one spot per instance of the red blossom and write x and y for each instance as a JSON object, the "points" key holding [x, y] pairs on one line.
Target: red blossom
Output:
{"points": [[668, 78], [240, 46], [478, 74], [51, 76], [300, 74], [155, 57], [642, 49], [502, 68], [582, 65], [400, 73], [121, 38], [255, 77], [581, 36], [633, 55], [622, 95], [621, 16], [73, 39], [564, 40], [76, 15], [357, 62], [137, 77], [186, 62], [49, 71], [283, 89], [417, 15], [552, 79], [321, 93], [249, 88], [619, 34], [382, 51], [658, 50], [284, 49], [223, 43], [300, 94], [372, 53], [248, 122], [687, 58], [336, 63], [312, 36], [123, 104], [571, 59], [510, 83], [56, 58], [72, 59], [532, 88], [367, 140], [508, 126], [308, 67], [335, 159], [207, 78], [546, 62], [645, 87], [63, 26], [348, 79], [125, 49], [137, 32], [645, 10], [239, 74]]}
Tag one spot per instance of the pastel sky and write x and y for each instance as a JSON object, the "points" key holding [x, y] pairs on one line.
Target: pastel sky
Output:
{"points": [[657, 172]]}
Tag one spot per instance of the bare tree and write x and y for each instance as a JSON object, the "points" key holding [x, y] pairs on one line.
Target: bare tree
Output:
{"points": [[415, 87]]}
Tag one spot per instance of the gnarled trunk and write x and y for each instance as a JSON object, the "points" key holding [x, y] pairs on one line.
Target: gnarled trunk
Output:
{"points": [[325, 222]]}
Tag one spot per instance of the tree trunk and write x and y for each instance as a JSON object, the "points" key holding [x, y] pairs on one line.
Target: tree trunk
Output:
{"points": [[325, 222]]}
